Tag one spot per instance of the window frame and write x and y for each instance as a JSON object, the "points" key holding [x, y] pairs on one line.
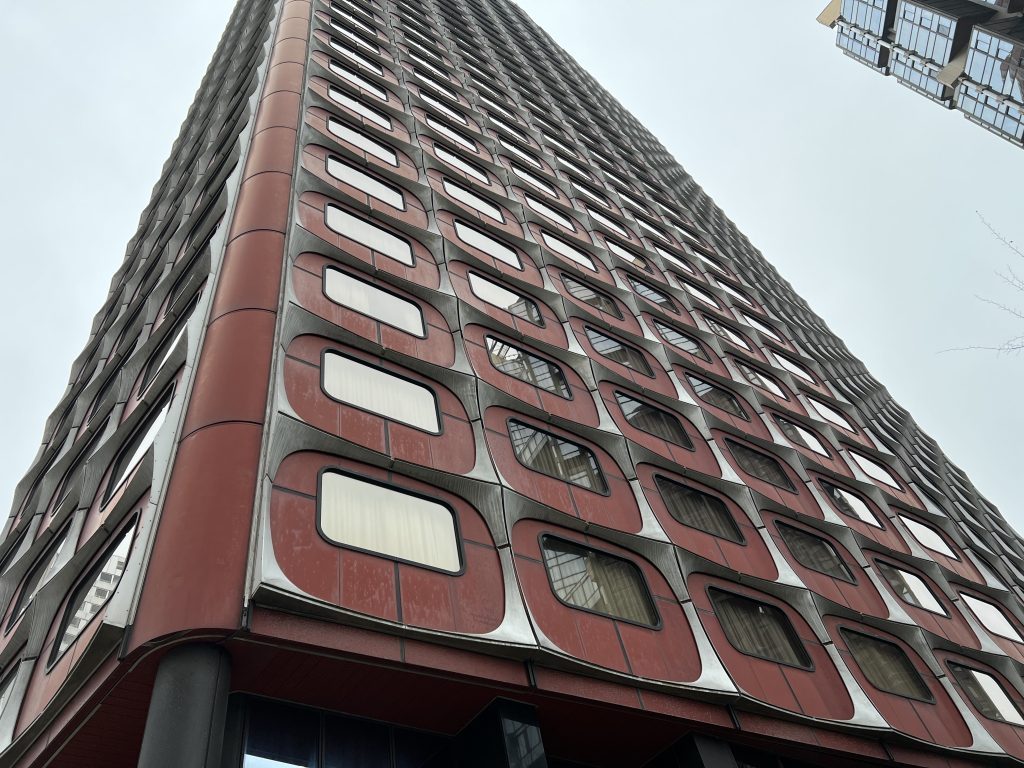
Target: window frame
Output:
{"points": [[780, 524], [791, 632], [844, 631], [543, 536], [456, 523], [605, 490], [89, 578], [323, 288], [439, 416]]}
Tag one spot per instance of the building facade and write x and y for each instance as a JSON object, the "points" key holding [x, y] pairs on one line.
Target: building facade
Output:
{"points": [[963, 54], [437, 417]]}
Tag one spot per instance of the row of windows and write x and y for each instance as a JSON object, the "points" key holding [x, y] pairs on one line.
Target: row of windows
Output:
{"points": [[369, 516], [700, 204], [399, 399]]}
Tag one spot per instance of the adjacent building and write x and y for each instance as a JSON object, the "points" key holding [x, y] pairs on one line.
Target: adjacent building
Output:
{"points": [[437, 417], [963, 54]]}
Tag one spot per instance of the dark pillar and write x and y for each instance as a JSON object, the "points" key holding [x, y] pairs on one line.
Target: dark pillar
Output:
{"points": [[697, 751], [187, 711], [505, 735]]}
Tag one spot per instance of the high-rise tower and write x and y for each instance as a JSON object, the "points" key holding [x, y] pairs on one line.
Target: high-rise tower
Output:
{"points": [[438, 418], [963, 54]]}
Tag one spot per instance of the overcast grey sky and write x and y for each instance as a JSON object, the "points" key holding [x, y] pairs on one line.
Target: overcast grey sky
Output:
{"points": [[860, 192]]}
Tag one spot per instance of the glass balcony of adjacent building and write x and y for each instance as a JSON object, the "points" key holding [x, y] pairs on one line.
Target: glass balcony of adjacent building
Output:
{"points": [[992, 91], [861, 26], [929, 43]]}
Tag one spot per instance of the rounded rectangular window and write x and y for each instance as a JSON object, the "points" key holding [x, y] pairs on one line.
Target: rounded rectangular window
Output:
{"points": [[760, 465], [501, 297], [489, 245], [798, 435], [591, 296], [366, 299], [761, 380], [567, 251], [986, 693], [549, 213], [358, 81], [358, 138], [815, 553], [992, 618], [450, 133], [682, 340], [94, 592], [886, 666], [551, 455], [928, 537], [474, 201], [138, 444], [717, 397], [372, 236], [699, 510], [759, 629], [831, 415], [652, 294], [348, 173], [367, 516], [653, 420], [850, 503], [520, 364], [360, 108], [875, 470], [596, 581], [372, 389], [455, 161], [621, 353]]}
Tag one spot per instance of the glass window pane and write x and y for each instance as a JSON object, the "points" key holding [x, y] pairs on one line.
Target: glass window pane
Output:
{"points": [[93, 594], [760, 465], [279, 736], [567, 251], [489, 245], [697, 509], [352, 743], [800, 436], [992, 618], [591, 296], [681, 340], [910, 588], [548, 212], [457, 162], [875, 470], [501, 297], [366, 233], [657, 422], [886, 666], [814, 552], [365, 515], [599, 582], [137, 446], [652, 294], [849, 503], [761, 380], [928, 537], [831, 415], [369, 300], [361, 109], [520, 364], [551, 455], [357, 178], [987, 694], [717, 397], [759, 629], [473, 200], [621, 353], [45, 567], [372, 389]]}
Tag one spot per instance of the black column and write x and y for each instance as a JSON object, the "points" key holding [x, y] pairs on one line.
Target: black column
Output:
{"points": [[187, 711], [697, 751], [505, 735]]}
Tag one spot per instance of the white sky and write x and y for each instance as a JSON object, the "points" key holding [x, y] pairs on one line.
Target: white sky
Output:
{"points": [[863, 194]]}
